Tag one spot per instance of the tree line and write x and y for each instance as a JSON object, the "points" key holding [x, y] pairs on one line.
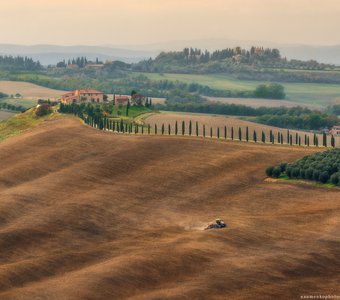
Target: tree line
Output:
{"points": [[102, 121], [19, 63], [284, 117]]}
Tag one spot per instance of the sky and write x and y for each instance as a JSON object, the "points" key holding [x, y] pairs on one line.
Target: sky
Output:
{"points": [[131, 22]]}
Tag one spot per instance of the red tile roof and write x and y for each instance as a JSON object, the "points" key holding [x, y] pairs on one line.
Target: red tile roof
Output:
{"points": [[90, 92]]}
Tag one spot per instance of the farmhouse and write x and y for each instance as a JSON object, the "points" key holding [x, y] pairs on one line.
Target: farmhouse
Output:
{"points": [[335, 130], [121, 100], [86, 96]]}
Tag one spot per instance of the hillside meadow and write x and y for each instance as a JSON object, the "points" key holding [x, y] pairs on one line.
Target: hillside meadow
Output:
{"points": [[87, 214], [304, 93]]}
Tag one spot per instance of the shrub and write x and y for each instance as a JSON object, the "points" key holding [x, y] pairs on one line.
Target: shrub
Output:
{"points": [[309, 173], [43, 110], [335, 178], [276, 172], [269, 171], [316, 175], [283, 167], [324, 176], [295, 172]]}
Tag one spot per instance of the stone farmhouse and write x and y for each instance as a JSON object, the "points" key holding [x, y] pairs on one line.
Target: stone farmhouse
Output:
{"points": [[335, 130], [86, 96], [121, 100]]}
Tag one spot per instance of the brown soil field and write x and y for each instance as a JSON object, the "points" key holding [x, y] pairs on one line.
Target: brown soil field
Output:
{"points": [[86, 214], [213, 121], [4, 115], [29, 91], [254, 102]]}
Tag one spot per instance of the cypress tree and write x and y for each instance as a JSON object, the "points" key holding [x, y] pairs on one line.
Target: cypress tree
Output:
{"points": [[296, 139], [142, 129], [196, 128], [163, 129], [247, 134], [149, 129], [240, 134], [299, 140], [333, 141], [305, 139], [324, 139], [308, 141], [288, 137], [176, 128], [263, 137], [232, 133], [169, 129], [121, 126], [271, 136], [218, 132], [183, 127], [190, 127], [211, 132], [204, 130], [281, 138], [291, 140], [127, 108], [225, 132], [254, 136], [315, 139]]}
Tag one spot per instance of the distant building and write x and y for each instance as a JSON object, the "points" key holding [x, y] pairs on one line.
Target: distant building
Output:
{"points": [[121, 100], [86, 96], [335, 130]]}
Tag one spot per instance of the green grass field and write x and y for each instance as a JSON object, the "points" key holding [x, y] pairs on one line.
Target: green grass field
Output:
{"points": [[27, 103], [309, 93]]}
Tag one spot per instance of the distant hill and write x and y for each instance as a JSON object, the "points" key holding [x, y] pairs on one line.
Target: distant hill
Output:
{"points": [[51, 54], [323, 54]]}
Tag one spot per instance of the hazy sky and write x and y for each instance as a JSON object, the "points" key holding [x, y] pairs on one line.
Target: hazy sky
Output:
{"points": [[98, 22]]}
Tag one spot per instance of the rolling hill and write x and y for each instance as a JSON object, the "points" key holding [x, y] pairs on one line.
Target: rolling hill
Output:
{"points": [[86, 214]]}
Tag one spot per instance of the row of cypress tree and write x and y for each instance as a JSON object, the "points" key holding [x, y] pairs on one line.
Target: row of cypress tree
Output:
{"points": [[105, 123]]}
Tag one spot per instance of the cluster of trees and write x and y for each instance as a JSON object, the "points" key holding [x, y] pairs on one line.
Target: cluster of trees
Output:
{"points": [[310, 120], [81, 62], [11, 107], [3, 95], [270, 91], [257, 57], [323, 167], [335, 109], [19, 63]]}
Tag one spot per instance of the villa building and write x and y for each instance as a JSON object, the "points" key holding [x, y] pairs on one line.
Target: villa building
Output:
{"points": [[335, 130], [86, 96], [121, 100]]}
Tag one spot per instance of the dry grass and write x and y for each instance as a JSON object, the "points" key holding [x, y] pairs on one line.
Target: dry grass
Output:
{"points": [[212, 121], [86, 214], [28, 90]]}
